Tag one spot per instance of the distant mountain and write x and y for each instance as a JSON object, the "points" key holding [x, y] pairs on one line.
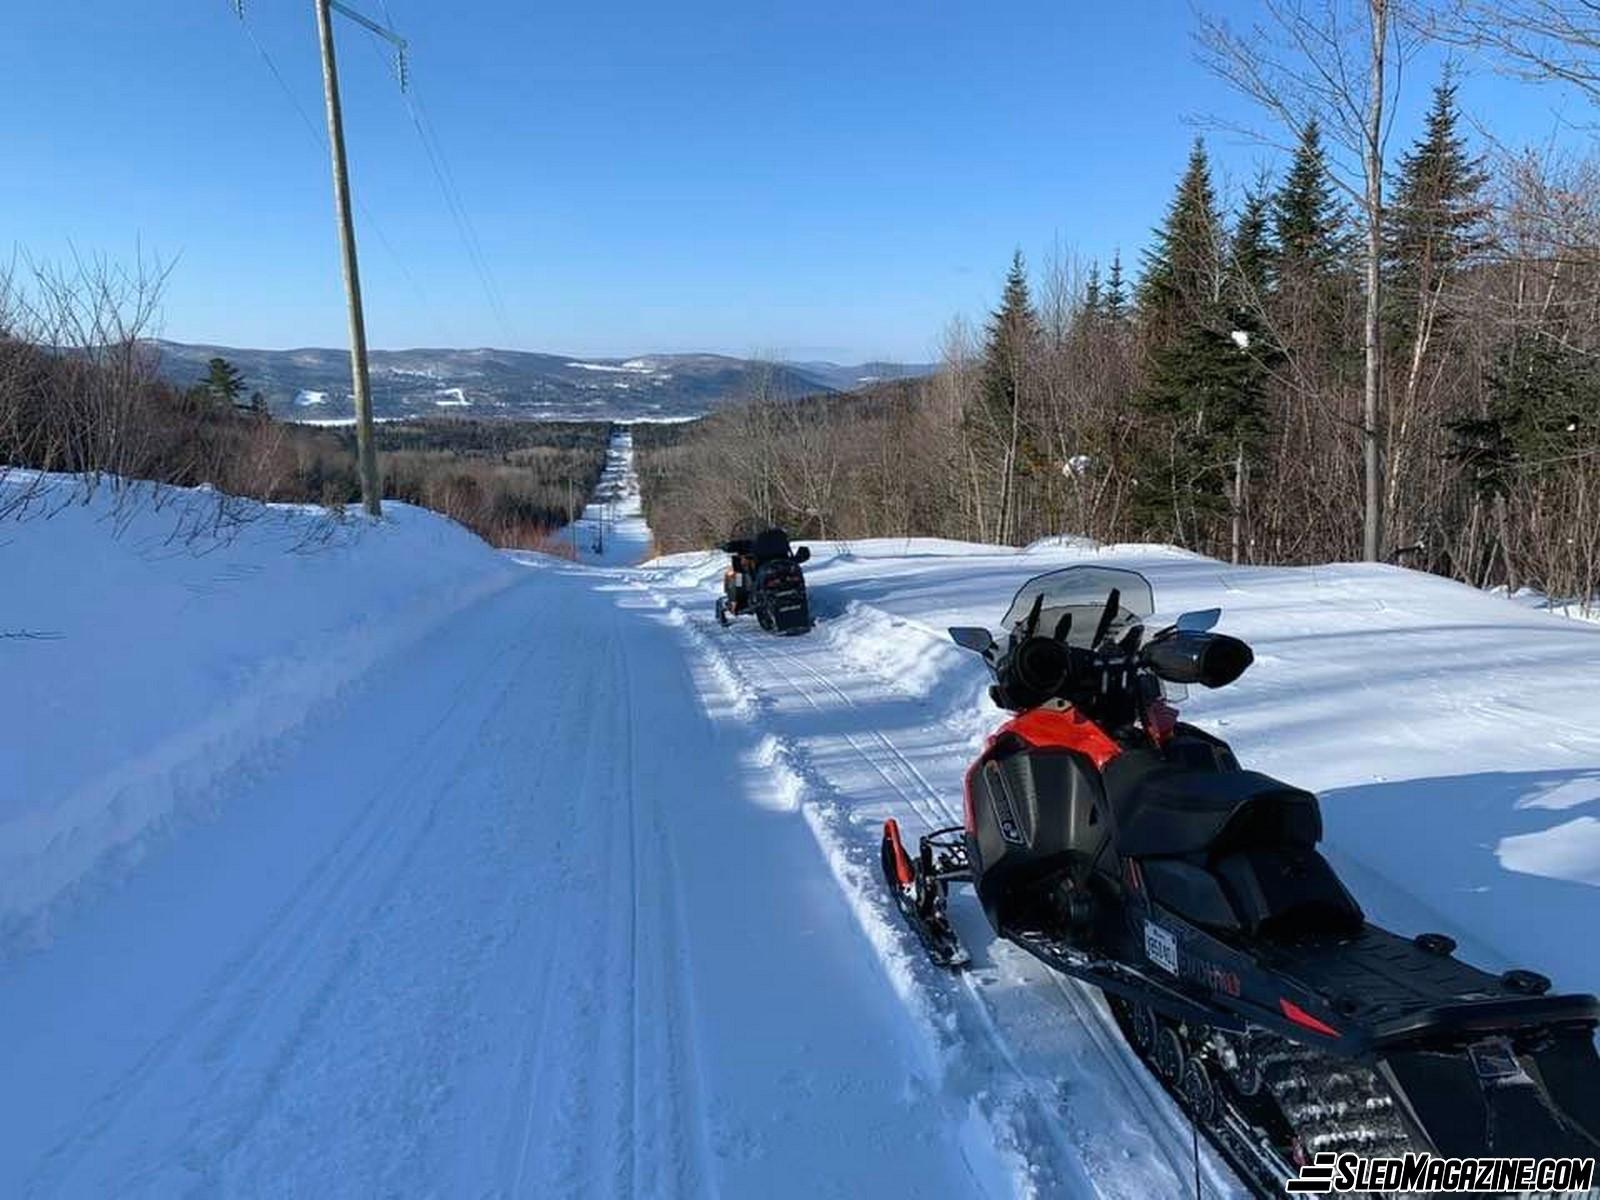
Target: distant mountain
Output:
{"points": [[314, 384], [849, 379]]}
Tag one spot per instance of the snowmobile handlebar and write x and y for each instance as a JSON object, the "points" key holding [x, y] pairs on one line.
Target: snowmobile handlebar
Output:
{"points": [[1212, 660], [1038, 668]]}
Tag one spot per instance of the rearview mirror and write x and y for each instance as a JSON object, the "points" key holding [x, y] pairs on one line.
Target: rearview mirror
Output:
{"points": [[1199, 621], [972, 637], [802, 554]]}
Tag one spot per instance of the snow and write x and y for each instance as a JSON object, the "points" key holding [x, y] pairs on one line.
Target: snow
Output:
{"points": [[168, 653], [612, 529], [634, 366], [359, 859], [1455, 738]]}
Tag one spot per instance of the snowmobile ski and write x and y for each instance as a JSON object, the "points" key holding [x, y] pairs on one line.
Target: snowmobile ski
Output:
{"points": [[919, 887]]}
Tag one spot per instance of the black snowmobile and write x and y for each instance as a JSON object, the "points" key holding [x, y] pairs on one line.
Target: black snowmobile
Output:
{"points": [[1130, 850], [765, 579]]}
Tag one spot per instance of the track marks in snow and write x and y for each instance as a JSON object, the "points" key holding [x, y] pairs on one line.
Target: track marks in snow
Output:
{"points": [[1039, 1056], [267, 994]]}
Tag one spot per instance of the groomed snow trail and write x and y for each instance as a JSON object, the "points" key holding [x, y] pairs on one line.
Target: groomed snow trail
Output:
{"points": [[532, 881], [1038, 1056], [612, 530], [515, 917]]}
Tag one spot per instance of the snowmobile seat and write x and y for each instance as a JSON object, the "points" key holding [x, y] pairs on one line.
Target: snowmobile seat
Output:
{"points": [[770, 544], [1162, 808]]}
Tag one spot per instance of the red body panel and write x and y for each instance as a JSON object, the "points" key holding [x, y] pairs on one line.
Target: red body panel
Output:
{"points": [[1049, 729]]}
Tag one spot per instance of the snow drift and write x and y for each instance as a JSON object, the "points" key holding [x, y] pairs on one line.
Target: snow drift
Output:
{"points": [[153, 646]]}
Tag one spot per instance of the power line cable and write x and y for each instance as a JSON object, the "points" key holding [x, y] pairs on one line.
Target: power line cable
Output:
{"points": [[438, 162], [320, 137]]}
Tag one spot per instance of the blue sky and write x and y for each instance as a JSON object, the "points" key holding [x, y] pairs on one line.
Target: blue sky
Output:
{"points": [[815, 179]]}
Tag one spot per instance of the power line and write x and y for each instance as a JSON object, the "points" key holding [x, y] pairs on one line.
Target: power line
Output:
{"points": [[320, 138], [433, 149]]}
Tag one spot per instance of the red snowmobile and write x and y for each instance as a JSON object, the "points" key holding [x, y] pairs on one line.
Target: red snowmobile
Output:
{"points": [[1131, 851]]}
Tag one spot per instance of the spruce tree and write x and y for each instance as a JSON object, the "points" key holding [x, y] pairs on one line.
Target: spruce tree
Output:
{"points": [[1002, 429], [1202, 396], [1309, 226], [1543, 410], [1182, 267], [1250, 255], [1435, 222], [1315, 285], [1116, 293], [1093, 300], [1012, 334], [223, 382]]}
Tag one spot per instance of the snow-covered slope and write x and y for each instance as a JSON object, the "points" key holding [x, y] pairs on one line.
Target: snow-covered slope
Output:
{"points": [[355, 860], [153, 647]]}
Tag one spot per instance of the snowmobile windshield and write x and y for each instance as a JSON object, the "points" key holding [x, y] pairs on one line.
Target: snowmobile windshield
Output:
{"points": [[1082, 593]]}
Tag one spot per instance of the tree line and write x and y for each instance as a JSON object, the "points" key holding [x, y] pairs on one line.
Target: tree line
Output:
{"points": [[1282, 379], [81, 394]]}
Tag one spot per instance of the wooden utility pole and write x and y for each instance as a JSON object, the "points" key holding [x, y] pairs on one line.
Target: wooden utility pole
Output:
{"points": [[366, 452]]}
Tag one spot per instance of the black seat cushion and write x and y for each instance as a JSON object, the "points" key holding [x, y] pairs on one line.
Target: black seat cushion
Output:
{"points": [[1165, 808], [770, 543]]}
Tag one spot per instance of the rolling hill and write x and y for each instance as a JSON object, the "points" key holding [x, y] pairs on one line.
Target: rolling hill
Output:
{"points": [[314, 384]]}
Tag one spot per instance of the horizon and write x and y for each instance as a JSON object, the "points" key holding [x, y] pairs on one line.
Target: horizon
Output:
{"points": [[785, 359], [809, 183]]}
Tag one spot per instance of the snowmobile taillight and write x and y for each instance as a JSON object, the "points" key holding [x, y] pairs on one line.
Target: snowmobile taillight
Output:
{"points": [[902, 861], [1304, 1019], [1134, 876]]}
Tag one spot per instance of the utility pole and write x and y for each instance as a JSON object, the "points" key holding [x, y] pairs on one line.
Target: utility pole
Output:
{"points": [[366, 452]]}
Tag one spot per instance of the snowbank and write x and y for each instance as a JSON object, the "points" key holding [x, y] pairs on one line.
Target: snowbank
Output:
{"points": [[146, 654]]}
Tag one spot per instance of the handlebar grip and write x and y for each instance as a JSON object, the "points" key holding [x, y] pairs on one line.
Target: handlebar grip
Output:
{"points": [[1212, 660]]}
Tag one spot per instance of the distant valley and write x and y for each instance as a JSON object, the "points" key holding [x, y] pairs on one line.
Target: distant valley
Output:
{"points": [[314, 384]]}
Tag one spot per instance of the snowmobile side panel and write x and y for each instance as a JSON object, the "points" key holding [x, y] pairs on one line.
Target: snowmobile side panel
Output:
{"points": [[1034, 816]]}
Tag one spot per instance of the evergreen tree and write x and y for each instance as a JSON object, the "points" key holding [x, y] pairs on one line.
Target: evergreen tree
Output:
{"points": [[1202, 398], [1435, 222], [1116, 293], [1002, 429], [1248, 294], [1250, 256], [1312, 275], [1309, 226], [1543, 410], [1093, 301], [1182, 268], [223, 382], [1011, 337]]}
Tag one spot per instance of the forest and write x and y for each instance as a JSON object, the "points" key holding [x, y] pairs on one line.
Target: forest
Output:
{"points": [[1352, 357]]}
